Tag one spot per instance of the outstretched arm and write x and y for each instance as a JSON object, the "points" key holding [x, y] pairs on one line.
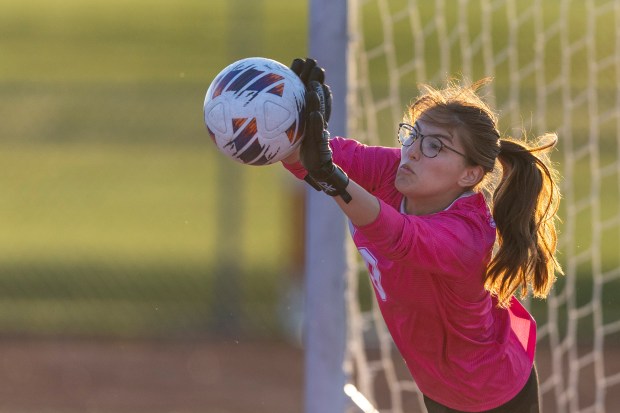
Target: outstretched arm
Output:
{"points": [[363, 208], [315, 153], [359, 205]]}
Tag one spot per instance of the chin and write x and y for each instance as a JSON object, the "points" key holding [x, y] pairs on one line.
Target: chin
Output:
{"points": [[400, 184]]}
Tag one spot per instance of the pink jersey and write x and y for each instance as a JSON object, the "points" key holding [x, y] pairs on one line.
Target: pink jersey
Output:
{"points": [[427, 272]]}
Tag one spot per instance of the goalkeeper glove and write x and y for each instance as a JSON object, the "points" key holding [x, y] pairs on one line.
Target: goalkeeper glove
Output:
{"points": [[313, 77], [316, 155]]}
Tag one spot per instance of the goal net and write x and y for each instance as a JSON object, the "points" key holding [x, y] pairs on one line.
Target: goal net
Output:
{"points": [[556, 67]]}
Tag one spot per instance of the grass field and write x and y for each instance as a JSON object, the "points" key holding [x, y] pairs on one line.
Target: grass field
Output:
{"points": [[109, 211], [117, 214]]}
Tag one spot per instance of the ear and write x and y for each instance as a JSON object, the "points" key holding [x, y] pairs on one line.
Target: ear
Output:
{"points": [[471, 176]]}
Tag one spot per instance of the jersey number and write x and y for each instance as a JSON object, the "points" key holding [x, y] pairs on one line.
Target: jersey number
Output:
{"points": [[375, 274]]}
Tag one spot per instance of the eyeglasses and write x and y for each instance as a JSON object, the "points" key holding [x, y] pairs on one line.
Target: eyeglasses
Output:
{"points": [[429, 144]]}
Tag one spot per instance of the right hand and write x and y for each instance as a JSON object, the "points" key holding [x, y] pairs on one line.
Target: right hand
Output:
{"points": [[316, 154], [313, 78]]}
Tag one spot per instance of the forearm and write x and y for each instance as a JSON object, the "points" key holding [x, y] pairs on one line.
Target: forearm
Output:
{"points": [[363, 208]]}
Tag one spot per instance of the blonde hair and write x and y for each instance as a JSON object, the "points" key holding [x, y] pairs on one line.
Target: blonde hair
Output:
{"points": [[524, 202]]}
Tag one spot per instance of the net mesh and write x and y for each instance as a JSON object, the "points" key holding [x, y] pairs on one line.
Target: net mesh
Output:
{"points": [[556, 67]]}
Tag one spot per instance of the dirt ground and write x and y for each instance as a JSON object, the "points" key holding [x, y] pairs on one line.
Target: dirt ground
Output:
{"points": [[88, 376], [206, 376]]}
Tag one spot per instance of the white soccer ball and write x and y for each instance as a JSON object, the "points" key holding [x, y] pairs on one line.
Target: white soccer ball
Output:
{"points": [[254, 111]]}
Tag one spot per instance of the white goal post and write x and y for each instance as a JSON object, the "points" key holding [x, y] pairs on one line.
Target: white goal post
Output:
{"points": [[556, 67], [325, 332]]}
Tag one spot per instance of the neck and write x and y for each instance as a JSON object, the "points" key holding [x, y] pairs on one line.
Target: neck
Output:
{"points": [[430, 206]]}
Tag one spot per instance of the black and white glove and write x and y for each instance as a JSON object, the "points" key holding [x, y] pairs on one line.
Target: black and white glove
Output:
{"points": [[316, 155], [313, 77]]}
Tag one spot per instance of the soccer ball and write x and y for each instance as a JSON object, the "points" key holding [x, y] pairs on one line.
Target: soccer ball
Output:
{"points": [[254, 111]]}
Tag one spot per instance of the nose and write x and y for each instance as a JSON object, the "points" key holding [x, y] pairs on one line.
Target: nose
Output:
{"points": [[413, 151]]}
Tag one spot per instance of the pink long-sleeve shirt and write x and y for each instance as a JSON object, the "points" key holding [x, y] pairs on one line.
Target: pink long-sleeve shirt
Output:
{"points": [[427, 272]]}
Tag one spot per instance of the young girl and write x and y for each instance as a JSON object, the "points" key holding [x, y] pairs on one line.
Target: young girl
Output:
{"points": [[422, 224]]}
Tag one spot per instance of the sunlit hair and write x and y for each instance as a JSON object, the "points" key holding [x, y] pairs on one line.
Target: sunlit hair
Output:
{"points": [[519, 179]]}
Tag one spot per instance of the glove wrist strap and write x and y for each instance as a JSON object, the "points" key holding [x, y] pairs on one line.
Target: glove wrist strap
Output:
{"points": [[333, 183]]}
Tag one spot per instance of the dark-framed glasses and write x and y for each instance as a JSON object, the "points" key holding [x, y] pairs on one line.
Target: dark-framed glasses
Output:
{"points": [[430, 145]]}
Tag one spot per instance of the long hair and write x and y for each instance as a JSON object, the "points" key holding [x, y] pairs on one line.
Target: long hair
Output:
{"points": [[522, 183]]}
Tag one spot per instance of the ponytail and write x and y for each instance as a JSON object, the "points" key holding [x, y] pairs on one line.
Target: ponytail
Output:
{"points": [[525, 200], [525, 203]]}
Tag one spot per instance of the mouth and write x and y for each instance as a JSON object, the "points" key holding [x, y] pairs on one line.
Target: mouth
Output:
{"points": [[406, 168]]}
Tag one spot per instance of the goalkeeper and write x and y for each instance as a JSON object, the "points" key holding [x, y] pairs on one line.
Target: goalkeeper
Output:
{"points": [[445, 261]]}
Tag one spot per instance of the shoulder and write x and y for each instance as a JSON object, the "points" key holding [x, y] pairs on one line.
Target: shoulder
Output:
{"points": [[365, 160], [341, 143]]}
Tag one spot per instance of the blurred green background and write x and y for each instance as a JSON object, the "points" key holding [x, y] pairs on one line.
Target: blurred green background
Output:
{"points": [[117, 216]]}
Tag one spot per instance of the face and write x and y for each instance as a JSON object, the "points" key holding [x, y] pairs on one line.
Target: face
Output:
{"points": [[432, 182]]}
